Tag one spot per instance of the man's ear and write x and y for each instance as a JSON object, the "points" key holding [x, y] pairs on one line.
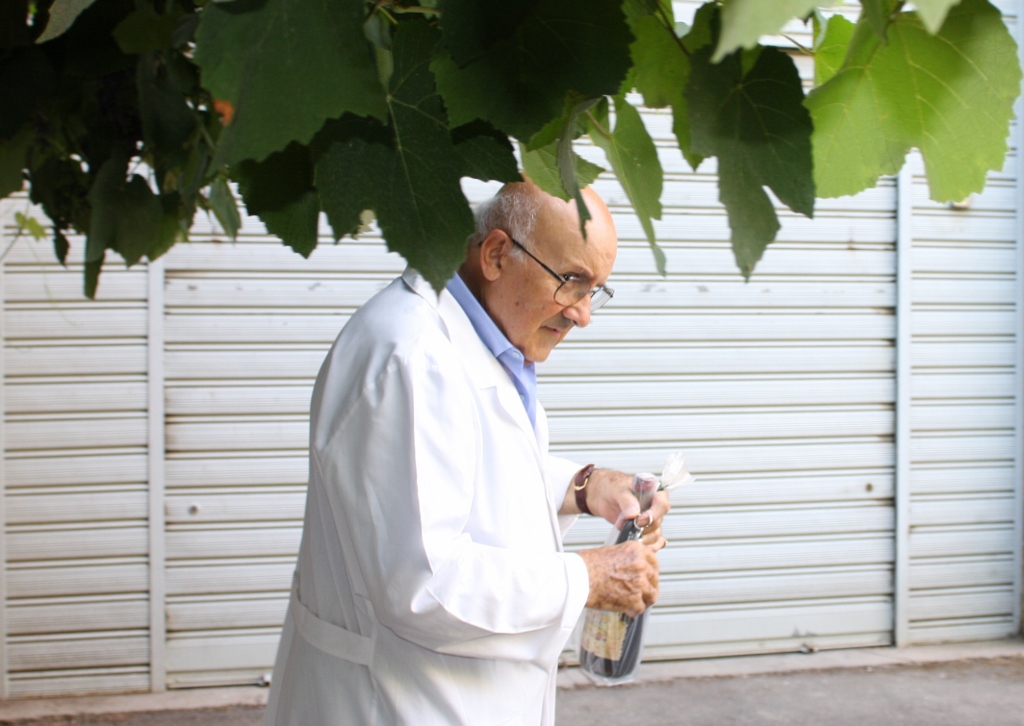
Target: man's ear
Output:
{"points": [[494, 251]]}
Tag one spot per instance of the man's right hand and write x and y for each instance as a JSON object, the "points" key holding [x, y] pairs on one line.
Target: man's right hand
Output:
{"points": [[623, 577]]}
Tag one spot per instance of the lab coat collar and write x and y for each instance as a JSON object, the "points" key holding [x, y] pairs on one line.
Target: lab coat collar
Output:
{"points": [[483, 368]]}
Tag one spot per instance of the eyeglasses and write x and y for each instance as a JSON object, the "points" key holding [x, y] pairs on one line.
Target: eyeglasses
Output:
{"points": [[572, 289]]}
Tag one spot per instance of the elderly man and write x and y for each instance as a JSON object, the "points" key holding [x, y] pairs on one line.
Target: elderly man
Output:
{"points": [[431, 586]]}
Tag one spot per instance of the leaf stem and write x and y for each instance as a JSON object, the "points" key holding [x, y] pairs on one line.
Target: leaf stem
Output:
{"points": [[800, 46], [399, 9], [604, 132], [671, 28]]}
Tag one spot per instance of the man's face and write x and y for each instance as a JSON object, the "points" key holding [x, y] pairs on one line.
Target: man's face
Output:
{"points": [[521, 300]]}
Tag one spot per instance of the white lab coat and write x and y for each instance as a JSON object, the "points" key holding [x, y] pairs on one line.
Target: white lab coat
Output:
{"points": [[431, 583]]}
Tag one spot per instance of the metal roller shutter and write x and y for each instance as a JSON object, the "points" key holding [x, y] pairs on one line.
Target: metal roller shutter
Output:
{"points": [[75, 477], [246, 327], [781, 390], [963, 520]]}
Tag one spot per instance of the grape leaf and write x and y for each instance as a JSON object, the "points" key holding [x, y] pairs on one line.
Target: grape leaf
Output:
{"points": [[744, 21], [224, 206], [286, 66], [173, 226], [830, 51], [877, 14], [296, 223], [567, 161], [407, 174], [519, 83], [634, 159], [280, 191], [470, 27], [757, 126], [62, 16], [61, 246], [933, 13], [12, 161], [125, 213], [950, 94], [30, 225], [143, 30], [485, 152], [661, 69], [27, 77], [167, 119], [541, 165]]}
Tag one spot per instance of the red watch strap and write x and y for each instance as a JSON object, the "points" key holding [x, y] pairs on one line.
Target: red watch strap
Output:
{"points": [[579, 485]]}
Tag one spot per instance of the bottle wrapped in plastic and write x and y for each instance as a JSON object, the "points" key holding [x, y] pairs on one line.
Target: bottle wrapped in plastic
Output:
{"points": [[611, 643]]}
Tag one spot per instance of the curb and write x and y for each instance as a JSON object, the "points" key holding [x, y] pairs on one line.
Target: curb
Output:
{"points": [[739, 666], [568, 678]]}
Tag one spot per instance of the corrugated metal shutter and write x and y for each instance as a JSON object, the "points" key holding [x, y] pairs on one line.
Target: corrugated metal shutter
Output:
{"points": [[964, 514], [75, 476], [246, 329], [781, 390]]}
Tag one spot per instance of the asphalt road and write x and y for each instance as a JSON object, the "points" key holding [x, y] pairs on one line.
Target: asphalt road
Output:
{"points": [[961, 693]]}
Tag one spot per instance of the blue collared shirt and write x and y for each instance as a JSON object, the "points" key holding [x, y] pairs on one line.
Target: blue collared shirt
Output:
{"points": [[523, 374]]}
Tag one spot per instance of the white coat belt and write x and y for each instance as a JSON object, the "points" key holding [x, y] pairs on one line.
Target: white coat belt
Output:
{"points": [[328, 637]]}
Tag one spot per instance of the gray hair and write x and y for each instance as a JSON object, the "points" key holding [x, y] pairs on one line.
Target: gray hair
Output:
{"points": [[513, 209]]}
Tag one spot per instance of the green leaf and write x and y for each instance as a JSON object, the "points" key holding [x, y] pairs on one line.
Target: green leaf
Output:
{"points": [[125, 213], [541, 165], [172, 228], [634, 159], [566, 159], [280, 191], [287, 66], [143, 30], [27, 78], [61, 188], [62, 16], [167, 120], [485, 153], [744, 21], [520, 81], [878, 14], [408, 175], [61, 246], [225, 208], [933, 13], [662, 68], [830, 52], [756, 125], [296, 223], [12, 161], [92, 275], [660, 60], [951, 95], [471, 27], [30, 225]]}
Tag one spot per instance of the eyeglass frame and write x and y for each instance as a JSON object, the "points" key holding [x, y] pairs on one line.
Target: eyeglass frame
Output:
{"points": [[608, 293]]}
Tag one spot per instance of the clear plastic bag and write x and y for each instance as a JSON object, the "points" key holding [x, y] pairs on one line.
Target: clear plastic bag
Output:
{"points": [[611, 643]]}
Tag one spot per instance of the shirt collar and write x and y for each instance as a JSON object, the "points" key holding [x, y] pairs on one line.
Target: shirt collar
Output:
{"points": [[523, 374]]}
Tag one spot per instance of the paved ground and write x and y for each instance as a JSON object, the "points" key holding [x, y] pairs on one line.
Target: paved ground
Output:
{"points": [[964, 693], [966, 685]]}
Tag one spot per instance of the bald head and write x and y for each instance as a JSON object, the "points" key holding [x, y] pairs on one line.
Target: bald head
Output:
{"points": [[522, 294], [517, 206]]}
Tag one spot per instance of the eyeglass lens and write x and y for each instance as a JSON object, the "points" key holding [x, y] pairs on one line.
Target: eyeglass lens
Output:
{"points": [[571, 292]]}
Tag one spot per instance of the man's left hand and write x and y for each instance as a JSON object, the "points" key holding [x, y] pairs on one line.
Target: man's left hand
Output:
{"points": [[610, 495]]}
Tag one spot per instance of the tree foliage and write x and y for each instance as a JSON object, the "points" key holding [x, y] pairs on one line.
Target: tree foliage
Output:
{"points": [[126, 117]]}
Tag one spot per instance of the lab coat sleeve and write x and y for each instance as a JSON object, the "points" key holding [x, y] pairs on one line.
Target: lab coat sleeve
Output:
{"points": [[404, 460], [560, 473]]}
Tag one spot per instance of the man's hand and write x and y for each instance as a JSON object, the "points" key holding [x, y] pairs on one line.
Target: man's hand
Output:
{"points": [[610, 496], [623, 577]]}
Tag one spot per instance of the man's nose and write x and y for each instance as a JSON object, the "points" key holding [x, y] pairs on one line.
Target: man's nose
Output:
{"points": [[579, 313]]}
